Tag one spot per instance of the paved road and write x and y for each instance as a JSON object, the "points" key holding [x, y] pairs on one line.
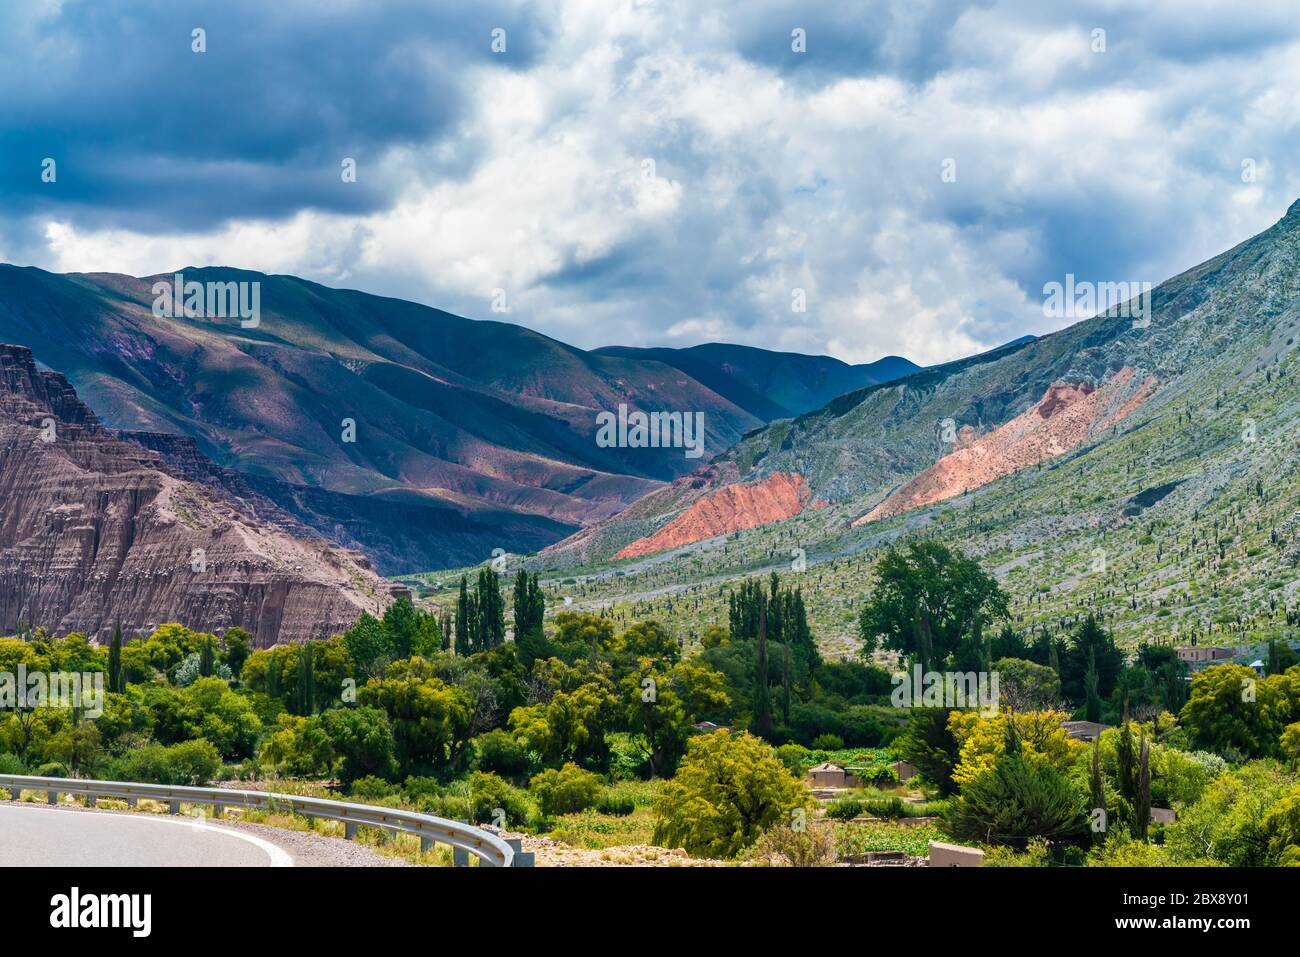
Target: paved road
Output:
{"points": [[37, 836]]}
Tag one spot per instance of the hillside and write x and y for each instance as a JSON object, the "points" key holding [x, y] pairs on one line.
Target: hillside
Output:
{"points": [[99, 531], [770, 385], [1169, 503]]}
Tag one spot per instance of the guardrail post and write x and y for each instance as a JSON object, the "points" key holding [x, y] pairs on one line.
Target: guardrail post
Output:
{"points": [[459, 857], [425, 843], [130, 802], [349, 830], [522, 858], [51, 797], [15, 794], [218, 810], [90, 800], [173, 807]]}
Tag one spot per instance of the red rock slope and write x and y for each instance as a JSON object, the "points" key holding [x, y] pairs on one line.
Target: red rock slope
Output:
{"points": [[96, 531], [1063, 419], [728, 509]]}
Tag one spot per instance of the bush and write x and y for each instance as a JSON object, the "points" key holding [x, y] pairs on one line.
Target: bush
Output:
{"points": [[192, 763], [805, 847], [845, 809], [490, 793], [11, 764], [887, 809], [827, 742], [616, 805], [728, 790], [499, 753], [566, 791], [371, 788]]}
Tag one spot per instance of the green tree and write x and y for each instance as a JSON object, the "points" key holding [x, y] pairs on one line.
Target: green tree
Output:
{"points": [[566, 790], [929, 744], [116, 677], [237, 645], [926, 600], [369, 645], [530, 610], [729, 789]]}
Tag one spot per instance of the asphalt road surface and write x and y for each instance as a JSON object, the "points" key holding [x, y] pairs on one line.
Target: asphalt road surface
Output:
{"points": [[32, 835]]}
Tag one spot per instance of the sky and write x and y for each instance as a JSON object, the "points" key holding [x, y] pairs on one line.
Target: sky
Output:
{"points": [[858, 179]]}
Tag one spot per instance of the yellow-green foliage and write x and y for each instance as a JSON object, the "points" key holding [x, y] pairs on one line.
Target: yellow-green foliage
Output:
{"points": [[982, 740]]}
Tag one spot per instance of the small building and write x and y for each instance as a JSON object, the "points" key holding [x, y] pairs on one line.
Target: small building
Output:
{"points": [[1259, 667], [1162, 815], [1199, 655], [1084, 730], [831, 776], [905, 770]]}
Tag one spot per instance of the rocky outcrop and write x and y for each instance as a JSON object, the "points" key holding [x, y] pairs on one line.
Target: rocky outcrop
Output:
{"points": [[728, 509], [95, 531], [1066, 415]]}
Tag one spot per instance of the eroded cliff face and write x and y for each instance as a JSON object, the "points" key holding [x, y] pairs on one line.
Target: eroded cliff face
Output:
{"points": [[95, 531], [1066, 415], [728, 509]]}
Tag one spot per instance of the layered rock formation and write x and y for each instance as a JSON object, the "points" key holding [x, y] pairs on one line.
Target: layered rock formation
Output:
{"points": [[95, 531], [728, 509], [1066, 415]]}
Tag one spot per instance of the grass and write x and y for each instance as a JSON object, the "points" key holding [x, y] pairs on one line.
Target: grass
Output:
{"points": [[593, 830]]}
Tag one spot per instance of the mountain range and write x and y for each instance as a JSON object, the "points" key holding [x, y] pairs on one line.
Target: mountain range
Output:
{"points": [[424, 439]]}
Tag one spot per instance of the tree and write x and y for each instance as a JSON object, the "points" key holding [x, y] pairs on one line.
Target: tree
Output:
{"points": [[369, 645], [762, 696], [401, 624], [488, 615], [464, 626], [430, 719], [1026, 686], [207, 658], [530, 610], [116, 677], [305, 689], [1092, 708], [1142, 806], [1017, 801], [1290, 744], [1090, 643], [929, 744], [729, 789], [237, 645], [361, 742], [1232, 712], [1097, 788], [925, 600]]}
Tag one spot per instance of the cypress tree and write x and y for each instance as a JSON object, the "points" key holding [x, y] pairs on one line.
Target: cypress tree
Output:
{"points": [[207, 659], [305, 693], [762, 697], [463, 629], [1142, 815], [273, 676], [116, 679], [1092, 707], [1097, 786], [785, 684]]}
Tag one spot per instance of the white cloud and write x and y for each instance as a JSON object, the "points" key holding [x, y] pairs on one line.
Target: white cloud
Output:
{"points": [[646, 181]]}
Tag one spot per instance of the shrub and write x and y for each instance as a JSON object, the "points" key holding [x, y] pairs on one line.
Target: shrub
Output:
{"points": [[566, 791], [490, 793], [845, 809], [805, 847], [616, 805], [888, 809], [728, 790], [11, 764], [499, 753], [371, 788], [193, 763], [827, 742]]}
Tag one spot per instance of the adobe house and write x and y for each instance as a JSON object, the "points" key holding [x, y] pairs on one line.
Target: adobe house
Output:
{"points": [[1198, 655], [831, 776], [904, 770]]}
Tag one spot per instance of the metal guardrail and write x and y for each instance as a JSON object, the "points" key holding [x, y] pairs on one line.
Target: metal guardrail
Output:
{"points": [[464, 838]]}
